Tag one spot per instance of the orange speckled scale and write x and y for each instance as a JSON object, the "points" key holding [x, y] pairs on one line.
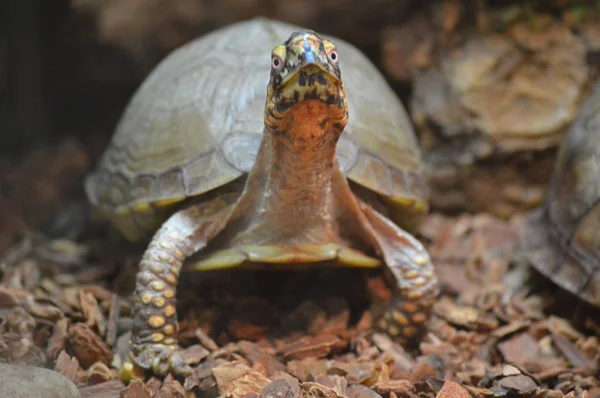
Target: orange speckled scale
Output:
{"points": [[154, 346], [417, 285]]}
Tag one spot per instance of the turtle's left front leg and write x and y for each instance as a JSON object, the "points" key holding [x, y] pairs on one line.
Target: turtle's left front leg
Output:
{"points": [[154, 346], [416, 283]]}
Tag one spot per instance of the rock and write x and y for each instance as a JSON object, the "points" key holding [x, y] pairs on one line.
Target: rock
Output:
{"points": [[33, 382]]}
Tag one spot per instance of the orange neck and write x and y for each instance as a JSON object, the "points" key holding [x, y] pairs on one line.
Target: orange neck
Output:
{"points": [[303, 157]]}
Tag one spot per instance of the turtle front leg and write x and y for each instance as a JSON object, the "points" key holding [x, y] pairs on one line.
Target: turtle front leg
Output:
{"points": [[153, 342], [416, 284]]}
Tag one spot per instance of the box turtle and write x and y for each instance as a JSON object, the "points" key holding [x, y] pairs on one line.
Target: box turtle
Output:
{"points": [[562, 238], [234, 142]]}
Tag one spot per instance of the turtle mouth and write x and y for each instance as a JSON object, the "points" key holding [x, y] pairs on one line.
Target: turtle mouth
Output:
{"points": [[310, 82]]}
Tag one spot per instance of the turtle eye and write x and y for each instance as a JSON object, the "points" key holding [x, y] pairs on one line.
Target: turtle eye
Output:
{"points": [[333, 56], [276, 62]]}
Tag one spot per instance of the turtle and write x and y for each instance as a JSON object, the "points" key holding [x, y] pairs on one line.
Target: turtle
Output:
{"points": [[561, 238], [491, 111], [239, 150]]}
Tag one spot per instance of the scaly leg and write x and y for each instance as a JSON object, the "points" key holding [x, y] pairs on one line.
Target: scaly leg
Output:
{"points": [[417, 285], [154, 316]]}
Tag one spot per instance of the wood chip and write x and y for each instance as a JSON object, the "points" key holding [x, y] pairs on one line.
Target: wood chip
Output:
{"points": [[451, 389], [523, 350], [194, 354], [572, 353], [316, 347], [401, 357], [206, 341], [171, 389], [136, 389], [10, 297], [87, 346], [360, 391], [510, 328], [403, 388], [98, 373], [57, 341], [67, 366], [255, 354], [316, 390], [337, 383], [110, 389], [237, 380], [112, 321], [354, 371]]}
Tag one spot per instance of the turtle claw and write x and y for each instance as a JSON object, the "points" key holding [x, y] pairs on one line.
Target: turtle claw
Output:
{"points": [[160, 359]]}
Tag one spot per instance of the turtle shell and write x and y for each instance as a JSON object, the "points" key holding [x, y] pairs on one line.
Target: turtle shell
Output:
{"points": [[562, 239], [196, 122]]}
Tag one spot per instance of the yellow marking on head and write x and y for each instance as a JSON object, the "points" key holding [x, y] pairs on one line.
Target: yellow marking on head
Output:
{"points": [[169, 341], [409, 331], [171, 279], [280, 52], [419, 317], [146, 298], [159, 302], [156, 321], [169, 294], [157, 286], [170, 310], [157, 337], [400, 318], [169, 329], [328, 45], [409, 307]]}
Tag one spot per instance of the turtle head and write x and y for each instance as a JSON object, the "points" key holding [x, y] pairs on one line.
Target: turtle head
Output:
{"points": [[305, 73]]}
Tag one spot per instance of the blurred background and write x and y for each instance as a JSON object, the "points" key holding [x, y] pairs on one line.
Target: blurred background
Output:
{"points": [[491, 86]]}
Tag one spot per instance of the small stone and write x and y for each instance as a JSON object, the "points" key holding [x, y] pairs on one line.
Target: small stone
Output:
{"points": [[34, 382], [522, 384], [281, 388]]}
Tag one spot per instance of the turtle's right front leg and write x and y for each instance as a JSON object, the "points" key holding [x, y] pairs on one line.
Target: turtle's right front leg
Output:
{"points": [[154, 346]]}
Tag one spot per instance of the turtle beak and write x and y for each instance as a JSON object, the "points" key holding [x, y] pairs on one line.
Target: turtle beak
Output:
{"points": [[310, 57]]}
